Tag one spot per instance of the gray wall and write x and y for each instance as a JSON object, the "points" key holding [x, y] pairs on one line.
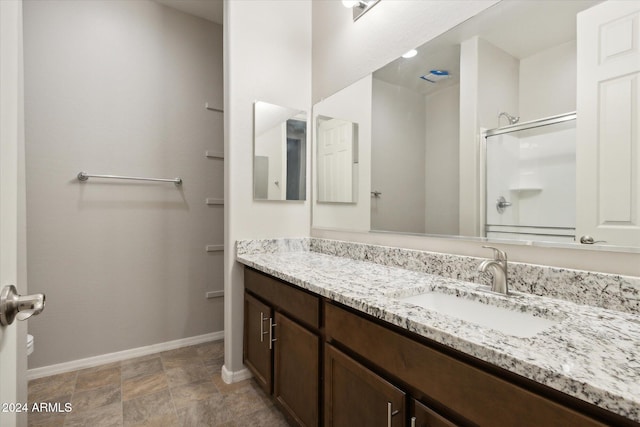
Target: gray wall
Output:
{"points": [[118, 87], [398, 160], [442, 169]]}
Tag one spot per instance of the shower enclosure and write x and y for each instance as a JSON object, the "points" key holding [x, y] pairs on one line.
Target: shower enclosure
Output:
{"points": [[530, 180]]}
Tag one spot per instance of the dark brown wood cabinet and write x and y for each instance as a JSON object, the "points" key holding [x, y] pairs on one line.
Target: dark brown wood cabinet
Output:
{"points": [[356, 396], [282, 345], [257, 349], [335, 366], [296, 369]]}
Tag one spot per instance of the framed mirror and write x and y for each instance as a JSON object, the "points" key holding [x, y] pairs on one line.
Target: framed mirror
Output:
{"points": [[279, 152], [434, 171]]}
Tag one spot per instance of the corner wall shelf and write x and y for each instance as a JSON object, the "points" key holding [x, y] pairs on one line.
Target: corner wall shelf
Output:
{"points": [[525, 189], [214, 154], [217, 110], [214, 294]]}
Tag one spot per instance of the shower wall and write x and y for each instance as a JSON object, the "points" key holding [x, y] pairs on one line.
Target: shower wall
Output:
{"points": [[119, 87], [547, 82]]}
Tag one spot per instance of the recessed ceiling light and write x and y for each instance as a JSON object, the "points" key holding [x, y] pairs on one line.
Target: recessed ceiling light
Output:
{"points": [[349, 3], [410, 54]]}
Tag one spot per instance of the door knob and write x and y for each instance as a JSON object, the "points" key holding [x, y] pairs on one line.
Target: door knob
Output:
{"points": [[588, 240], [13, 305]]}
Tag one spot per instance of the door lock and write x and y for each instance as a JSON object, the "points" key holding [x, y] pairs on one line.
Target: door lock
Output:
{"points": [[13, 305]]}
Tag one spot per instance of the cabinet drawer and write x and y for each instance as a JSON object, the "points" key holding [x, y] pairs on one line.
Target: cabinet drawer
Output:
{"points": [[468, 391], [299, 304]]}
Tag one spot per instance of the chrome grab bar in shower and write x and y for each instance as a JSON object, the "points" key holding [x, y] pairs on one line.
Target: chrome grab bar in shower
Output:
{"points": [[83, 176]]}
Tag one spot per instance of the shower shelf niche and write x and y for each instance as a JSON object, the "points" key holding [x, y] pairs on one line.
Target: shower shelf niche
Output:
{"points": [[525, 189]]}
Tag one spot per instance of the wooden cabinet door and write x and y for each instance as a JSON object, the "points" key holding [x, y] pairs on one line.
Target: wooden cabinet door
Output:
{"points": [[423, 416], [355, 396], [296, 370], [257, 352]]}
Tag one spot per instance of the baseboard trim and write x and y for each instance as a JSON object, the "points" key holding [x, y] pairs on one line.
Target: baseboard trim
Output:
{"points": [[89, 362], [230, 377]]}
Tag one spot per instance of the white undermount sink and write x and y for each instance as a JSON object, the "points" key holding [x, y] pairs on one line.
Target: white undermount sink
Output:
{"points": [[515, 323]]}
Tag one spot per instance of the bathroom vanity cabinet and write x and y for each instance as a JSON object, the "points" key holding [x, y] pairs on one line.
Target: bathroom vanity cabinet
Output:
{"points": [[282, 344], [335, 366]]}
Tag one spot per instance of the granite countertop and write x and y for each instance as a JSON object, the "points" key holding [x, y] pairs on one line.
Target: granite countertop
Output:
{"points": [[591, 353]]}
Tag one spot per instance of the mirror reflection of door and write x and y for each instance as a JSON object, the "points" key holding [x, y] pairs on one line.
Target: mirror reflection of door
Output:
{"points": [[335, 160], [608, 167]]}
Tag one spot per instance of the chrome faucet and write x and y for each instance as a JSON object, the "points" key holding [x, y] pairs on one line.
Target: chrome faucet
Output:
{"points": [[498, 265]]}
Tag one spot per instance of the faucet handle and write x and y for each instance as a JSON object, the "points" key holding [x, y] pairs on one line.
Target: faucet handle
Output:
{"points": [[498, 254]]}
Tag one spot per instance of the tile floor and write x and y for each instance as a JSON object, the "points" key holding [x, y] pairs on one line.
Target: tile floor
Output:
{"points": [[180, 387]]}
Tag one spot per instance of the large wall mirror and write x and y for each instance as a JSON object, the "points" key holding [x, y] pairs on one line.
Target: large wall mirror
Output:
{"points": [[500, 130], [280, 152]]}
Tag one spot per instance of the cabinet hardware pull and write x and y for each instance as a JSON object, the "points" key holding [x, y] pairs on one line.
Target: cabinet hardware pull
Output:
{"points": [[262, 331], [271, 339], [413, 421], [390, 413]]}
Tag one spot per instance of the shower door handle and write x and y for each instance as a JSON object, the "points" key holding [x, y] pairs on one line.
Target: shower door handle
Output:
{"points": [[13, 305]]}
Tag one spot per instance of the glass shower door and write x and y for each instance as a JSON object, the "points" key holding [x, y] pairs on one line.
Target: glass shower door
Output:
{"points": [[531, 181]]}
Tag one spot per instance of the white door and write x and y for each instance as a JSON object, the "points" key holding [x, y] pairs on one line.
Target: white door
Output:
{"points": [[608, 149], [12, 337], [335, 161]]}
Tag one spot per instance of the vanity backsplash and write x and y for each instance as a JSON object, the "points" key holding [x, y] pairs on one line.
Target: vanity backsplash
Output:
{"points": [[611, 291]]}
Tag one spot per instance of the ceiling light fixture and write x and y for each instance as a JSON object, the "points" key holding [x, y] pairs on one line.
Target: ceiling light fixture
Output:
{"points": [[359, 7], [410, 54]]}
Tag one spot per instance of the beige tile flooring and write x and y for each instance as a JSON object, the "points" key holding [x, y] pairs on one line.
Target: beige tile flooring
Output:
{"points": [[180, 387]]}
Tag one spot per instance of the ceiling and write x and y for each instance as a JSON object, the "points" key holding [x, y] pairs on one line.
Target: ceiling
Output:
{"points": [[519, 27], [210, 10]]}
